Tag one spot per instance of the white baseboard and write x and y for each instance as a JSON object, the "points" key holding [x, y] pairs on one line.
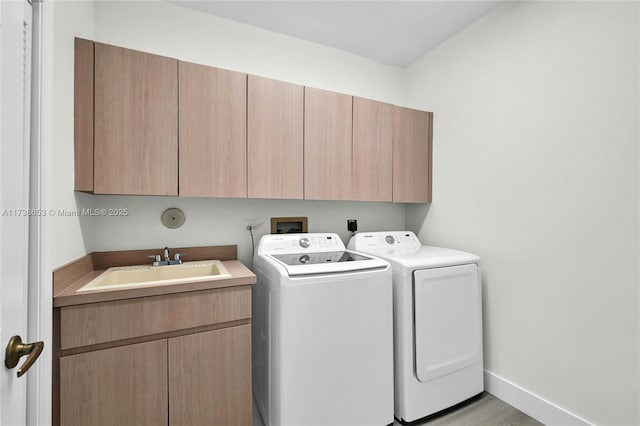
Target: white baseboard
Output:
{"points": [[529, 403]]}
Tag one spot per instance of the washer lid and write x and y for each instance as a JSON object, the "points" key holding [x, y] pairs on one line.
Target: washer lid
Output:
{"points": [[326, 262]]}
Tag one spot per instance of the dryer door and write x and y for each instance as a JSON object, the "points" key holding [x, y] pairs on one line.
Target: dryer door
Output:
{"points": [[447, 321]]}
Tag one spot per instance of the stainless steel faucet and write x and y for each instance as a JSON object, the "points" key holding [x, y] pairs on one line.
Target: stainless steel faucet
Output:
{"points": [[165, 259]]}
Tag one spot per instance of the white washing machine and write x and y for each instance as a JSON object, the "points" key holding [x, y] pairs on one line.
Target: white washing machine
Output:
{"points": [[437, 302], [322, 333]]}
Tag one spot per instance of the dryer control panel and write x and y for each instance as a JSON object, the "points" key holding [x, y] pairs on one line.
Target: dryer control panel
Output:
{"points": [[384, 241]]}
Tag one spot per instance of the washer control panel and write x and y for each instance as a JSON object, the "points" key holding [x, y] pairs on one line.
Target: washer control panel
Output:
{"points": [[301, 243], [304, 242]]}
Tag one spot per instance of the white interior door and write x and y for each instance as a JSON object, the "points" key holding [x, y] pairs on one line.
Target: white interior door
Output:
{"points": [[15, 77]]}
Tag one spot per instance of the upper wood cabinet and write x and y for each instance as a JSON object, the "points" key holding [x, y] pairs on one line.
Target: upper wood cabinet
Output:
{"points": [[372, 152], [150, 125], [412, 133], [83, 115], [136, 122], [213, 136], [275, 139], [327, 145]]}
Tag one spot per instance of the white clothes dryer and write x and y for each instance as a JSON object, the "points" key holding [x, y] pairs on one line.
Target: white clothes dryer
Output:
{"points": [[437, 301], [322, 333]]}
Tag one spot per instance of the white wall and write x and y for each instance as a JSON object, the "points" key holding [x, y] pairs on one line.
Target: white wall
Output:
{"points": [[221, 221], [536, 170], [170, 30], [72, 236]]}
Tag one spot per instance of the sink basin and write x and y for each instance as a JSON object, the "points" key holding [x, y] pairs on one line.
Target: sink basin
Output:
{"points": [[123, 277]]}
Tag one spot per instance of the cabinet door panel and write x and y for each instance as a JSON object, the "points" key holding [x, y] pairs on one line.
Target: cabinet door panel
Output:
{"points": [[213, 142], [83, 115], [327, 145], [412, 132], [275, 139], [136, 122], [126, 385], [210, 378], [372, 152]]}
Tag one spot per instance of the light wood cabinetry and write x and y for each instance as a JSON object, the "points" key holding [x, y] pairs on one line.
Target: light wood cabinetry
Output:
{"points": [[327, 145], [84, 325], [151, 125], [210, 378], [125, 385], [412, 133], [372, 150], [83, 115], [213, 136], [275, 139], [136, 122], [179, 358]]}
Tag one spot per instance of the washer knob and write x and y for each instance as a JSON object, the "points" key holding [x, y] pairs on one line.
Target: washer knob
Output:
{"points": [[304, 242], [389, 239]]}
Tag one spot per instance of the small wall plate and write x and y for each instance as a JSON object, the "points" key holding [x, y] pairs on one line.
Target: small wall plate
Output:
{"points": [[172, 218]]}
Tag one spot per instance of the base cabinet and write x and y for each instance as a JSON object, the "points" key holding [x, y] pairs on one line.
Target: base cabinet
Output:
{"points": [[205, 377], [169, 359]]}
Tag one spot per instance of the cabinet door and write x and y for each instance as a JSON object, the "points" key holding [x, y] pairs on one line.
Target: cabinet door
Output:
{"points": [[210, 378], [412, 132], [372, 152], [327, 145], [126, 385], [136, 122], [213, 141], [275, 139]]}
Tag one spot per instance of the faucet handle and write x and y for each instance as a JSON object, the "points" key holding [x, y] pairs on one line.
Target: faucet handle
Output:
{"points": [[155, 257], [176, 259]]}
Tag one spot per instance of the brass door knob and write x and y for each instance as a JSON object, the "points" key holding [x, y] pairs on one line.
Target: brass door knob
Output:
{"points": [[16, 349]]}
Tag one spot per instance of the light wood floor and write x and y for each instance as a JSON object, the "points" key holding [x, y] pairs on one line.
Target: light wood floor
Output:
{"points": [[487, 410]]}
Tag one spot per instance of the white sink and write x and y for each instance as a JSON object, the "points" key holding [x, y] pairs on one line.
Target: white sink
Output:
{"points": [[123, 277]]}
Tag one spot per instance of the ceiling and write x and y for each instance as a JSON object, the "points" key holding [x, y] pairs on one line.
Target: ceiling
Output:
{"points": [[390, 32]]}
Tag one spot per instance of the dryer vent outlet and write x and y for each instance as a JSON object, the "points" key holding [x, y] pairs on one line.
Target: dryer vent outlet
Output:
{"points": [[352, 225]]}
